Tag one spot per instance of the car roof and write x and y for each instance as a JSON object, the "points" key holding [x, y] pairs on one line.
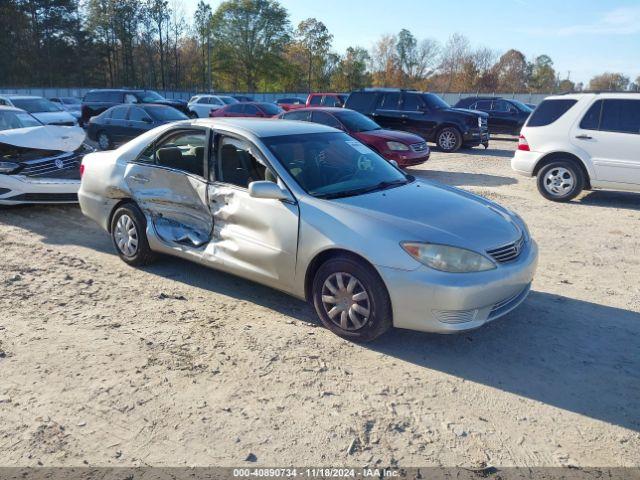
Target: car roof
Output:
{"points": [[10, 109], [17, 96], [322, 109], [578, 96], [265, 127]]}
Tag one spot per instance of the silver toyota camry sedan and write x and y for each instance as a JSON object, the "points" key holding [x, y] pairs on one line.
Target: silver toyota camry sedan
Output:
{"points": [[308, 210]]}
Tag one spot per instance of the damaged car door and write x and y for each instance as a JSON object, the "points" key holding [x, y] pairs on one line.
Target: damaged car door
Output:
{"points": [[254, 237], [168, 182]]}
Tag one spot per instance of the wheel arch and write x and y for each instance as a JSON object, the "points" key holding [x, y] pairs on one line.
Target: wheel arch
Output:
{"points": [[567, 156], [328, 254], [122, 202]]}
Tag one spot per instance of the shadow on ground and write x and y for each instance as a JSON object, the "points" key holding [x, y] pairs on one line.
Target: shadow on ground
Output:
{"points": [[462, 179], [571, 354], [624, 200], [479, 151]]}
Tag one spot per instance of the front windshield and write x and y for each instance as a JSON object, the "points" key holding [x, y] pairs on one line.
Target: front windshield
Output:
{"points": [[434, 102], [333, 165], [149, 96], [10, 120], [522, 106], [35, 105], [356, 122], [271, 109], [228, 100]]}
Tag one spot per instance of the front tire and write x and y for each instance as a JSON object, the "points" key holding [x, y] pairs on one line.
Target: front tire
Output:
{"points": [[560, 181], [128, 232], [351, 300], [449, 139]]}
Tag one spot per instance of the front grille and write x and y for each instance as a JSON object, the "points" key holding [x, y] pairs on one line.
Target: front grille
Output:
{"points": [[508, 304], [45, 197], [419, 147], [53, 166], [507, 253], [454, 317]]}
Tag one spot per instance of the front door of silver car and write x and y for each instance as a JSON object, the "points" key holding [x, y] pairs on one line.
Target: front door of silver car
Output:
{"points": [[168, 182], [254, 235]]}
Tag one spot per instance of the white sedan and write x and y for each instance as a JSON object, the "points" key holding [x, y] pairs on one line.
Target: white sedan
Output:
{"points": [[202, 105]]}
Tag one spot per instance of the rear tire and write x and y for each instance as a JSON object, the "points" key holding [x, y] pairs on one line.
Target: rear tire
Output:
{"points": [[351, 300], [560, 181], [128, 233], [449, 139]]}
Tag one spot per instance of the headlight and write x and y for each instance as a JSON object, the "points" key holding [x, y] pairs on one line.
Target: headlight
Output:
{"points": [[397, 146], [8, 167], [448, 259]]}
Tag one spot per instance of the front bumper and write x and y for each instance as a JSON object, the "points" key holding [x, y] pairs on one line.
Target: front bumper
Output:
{"points": [[19, 189], [432, 301], [476, 136], [407, 158]]}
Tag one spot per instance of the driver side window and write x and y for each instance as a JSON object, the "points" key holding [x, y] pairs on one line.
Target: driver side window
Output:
{"points": [[238, 166]]}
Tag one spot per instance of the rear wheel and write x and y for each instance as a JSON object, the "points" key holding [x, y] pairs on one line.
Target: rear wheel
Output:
{"points": [[128, 232], [104, 141], [449, 139], [351, 300], [560, 181]]}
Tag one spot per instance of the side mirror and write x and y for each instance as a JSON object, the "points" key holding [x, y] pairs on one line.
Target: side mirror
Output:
{"points": [[268, 190]]}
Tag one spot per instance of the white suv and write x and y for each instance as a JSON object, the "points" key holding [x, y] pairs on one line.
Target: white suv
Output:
{"points": [[582, 141]]}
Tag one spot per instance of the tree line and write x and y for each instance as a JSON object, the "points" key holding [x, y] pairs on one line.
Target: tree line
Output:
{"points": [[246, 45]]}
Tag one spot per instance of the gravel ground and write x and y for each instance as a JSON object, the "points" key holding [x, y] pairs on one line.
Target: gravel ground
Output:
{"points": [[175, 364]]}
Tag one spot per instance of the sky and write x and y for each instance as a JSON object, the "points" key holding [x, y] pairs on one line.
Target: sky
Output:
{"points": [[583, 38]]}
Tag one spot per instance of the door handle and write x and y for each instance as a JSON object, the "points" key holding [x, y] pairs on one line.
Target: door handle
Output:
{"points": [[584, 137], [139, 179]]}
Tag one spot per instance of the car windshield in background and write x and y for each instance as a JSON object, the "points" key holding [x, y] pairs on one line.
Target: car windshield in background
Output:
{"points": [[271, 108], [35, 105], [149, 96], [10, 120], [434, 102], [165, 114], [334, 165], [523, 107], [356, 122], [71, 101], [228, 100], [549, 111]]}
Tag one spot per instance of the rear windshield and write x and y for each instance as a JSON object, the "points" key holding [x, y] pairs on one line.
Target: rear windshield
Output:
{"points": [[271, 108], [36, 105], [549, 111], [165, 113], [356, 122]]}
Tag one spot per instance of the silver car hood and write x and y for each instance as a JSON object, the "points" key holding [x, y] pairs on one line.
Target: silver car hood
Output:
{"points": [[432, 212], [48, 137]]}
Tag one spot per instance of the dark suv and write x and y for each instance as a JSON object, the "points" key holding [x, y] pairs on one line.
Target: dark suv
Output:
{"points": [[97, 101], [425, 114], [505, 115]]}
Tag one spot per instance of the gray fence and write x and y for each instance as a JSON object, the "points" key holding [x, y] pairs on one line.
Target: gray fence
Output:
{"points": [[450, 98]]}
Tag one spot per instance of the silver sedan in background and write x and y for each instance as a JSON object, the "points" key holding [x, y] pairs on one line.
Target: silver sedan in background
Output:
{"points": [[308, 210]]}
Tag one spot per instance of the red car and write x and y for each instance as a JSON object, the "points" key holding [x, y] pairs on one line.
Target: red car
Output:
{"points": [[248, 109], [405, 148], [326, 100], [290, 103]]}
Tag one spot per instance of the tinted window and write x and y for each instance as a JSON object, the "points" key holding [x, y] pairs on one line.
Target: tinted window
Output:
{"points": [[621, 116], [390, 101], [239, 108], [119, 113], [297, 115], [331, 101], [412, 102], [325, 119], [549, 111], [183, 150], [591, 120], [203, 100], [137, 114], [228, 100], [484, 105], [93, 97], [165, 114], [237, 166], [315, 100], [250, 109], [360, 101], [434, 102], [112, 97], [270, 108], [356, 122], [501, 106]]}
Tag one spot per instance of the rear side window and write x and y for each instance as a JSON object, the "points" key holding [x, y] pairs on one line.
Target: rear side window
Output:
{"points": [[549, 111], [621, 116], [304, 116], [390, 101], [93, 97], [315, 100], [484, 105], [325, 119], [591, 120], [412, 102], [119, 113], [361, 101]]}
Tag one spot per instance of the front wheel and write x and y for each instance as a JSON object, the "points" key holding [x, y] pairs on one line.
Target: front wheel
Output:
{"points": [[128, 232], [449, 139], [351, 300], [560, 181]]}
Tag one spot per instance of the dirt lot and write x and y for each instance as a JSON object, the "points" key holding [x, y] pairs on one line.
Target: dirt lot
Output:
{"points": [[176, 364]]}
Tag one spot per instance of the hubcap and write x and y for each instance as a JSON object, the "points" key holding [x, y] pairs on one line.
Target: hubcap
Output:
{"points": [[346, 301], [447, 140], [559, 181], [103, 141], [126, 236]]}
